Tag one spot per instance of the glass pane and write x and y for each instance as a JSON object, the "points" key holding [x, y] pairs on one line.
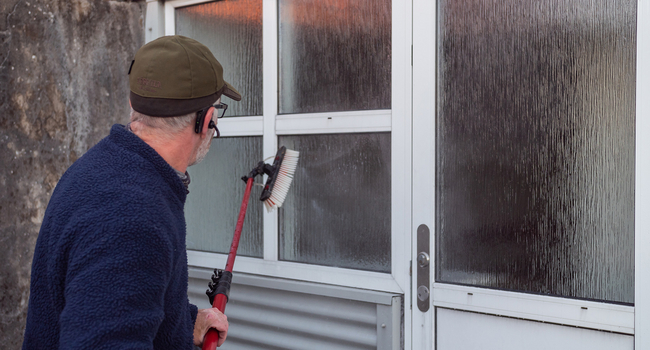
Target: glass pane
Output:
{"points": [[216, 193], [232, 30], [337, 212], [535, 146], [335, 55]]}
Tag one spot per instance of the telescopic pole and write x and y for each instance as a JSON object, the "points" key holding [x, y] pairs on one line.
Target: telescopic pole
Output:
{"points": [[212, 337]]}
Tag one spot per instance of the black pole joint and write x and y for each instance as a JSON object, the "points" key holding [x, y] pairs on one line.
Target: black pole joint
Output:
{"points": [[219, 284], [271, 170]]}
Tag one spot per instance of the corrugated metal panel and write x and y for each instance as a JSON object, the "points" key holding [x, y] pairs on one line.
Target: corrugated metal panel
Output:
{"points": [[270, 318]]}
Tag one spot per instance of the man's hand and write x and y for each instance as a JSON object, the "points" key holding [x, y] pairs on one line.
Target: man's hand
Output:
{"points": [[210, 318]]}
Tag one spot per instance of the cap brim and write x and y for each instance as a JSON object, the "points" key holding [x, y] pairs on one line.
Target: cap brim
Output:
{"points": [[230, 91]]}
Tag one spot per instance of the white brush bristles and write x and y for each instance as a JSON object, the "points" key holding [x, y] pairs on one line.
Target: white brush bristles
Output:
{"points": [[283, 181]]}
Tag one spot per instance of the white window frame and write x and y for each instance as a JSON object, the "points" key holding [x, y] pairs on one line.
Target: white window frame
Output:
{"points": [[631, 320], [642, 181], [270, 125]]}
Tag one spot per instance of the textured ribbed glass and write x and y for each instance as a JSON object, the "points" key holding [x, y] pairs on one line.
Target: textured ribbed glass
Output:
{"points": [[337, 212], [335, 55], [232, 30], [535, 146], [216, 193]]}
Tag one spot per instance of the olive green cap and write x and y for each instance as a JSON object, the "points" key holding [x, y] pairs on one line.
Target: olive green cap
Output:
{"points": [[176, 75]]}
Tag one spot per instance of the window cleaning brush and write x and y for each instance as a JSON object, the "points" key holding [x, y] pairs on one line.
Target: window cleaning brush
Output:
{"points": [[277, 187], [280, 175]]}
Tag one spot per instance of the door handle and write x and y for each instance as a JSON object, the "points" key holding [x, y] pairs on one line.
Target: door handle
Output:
{"points": [[423, 264]]}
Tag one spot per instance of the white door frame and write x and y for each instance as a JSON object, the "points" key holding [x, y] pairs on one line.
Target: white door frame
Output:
{"points": [[642, 181], [593, 315], [423, 149]]}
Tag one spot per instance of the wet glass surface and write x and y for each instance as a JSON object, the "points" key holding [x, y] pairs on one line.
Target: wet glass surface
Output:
{"points": [[232, 30], [334, 55], [337, 212], [535, 146], [216, 193]]}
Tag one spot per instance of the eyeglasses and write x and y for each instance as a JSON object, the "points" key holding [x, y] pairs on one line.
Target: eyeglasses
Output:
{"points": [[212, 125], [200, 117], [220, 106]]}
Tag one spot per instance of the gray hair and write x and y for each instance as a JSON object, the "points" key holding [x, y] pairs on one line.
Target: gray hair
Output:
{"points": [[167, 125]]}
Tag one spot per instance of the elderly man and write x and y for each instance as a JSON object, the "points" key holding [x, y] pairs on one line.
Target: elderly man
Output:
{"points": [[110, 267]]}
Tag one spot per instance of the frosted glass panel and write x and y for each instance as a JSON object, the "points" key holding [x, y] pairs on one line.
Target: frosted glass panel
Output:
{"points": [[335, 55], [232, 29], [337, 212], [535, 146], [216, 193]]}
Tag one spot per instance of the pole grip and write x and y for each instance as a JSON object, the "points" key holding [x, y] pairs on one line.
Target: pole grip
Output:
{"points": [[211, 339]]}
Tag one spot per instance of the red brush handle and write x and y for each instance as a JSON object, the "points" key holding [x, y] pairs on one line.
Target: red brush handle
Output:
{"points": [[212, 337]]}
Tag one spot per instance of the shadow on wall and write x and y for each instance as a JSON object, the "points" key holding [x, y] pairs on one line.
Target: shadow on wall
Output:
{"points": [[63, 83]]}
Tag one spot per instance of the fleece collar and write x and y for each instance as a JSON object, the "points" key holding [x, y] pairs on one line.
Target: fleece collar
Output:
{"points": [[185, 177], [126, 139]]}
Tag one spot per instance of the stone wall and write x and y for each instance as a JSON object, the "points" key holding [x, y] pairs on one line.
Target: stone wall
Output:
{"points": [[63, 83]]}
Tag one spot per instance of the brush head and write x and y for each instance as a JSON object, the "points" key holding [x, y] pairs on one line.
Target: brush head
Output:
{"points": [[280, 177]]}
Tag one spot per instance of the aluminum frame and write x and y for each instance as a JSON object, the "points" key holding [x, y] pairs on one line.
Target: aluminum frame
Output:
{"points": [[413, 140], [396, 120], [632, 320], [642, 181]]}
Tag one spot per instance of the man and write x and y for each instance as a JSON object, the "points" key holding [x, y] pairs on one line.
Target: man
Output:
{"points": [[110, 267]]}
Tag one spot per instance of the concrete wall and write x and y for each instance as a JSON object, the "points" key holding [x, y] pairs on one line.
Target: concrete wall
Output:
{"points": [[63, 83]]}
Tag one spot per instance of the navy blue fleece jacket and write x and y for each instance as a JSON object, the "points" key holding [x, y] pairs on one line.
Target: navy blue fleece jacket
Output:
{"points": [[110, 267]]}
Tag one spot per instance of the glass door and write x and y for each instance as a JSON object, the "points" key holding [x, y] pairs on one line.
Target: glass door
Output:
{"points": [[527, 113]]}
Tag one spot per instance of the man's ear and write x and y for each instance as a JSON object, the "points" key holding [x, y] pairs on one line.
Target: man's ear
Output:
{"points": [[206, 121]]}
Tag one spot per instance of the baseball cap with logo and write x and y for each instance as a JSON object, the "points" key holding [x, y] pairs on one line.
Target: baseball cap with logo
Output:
{"points": [[176, 75]]}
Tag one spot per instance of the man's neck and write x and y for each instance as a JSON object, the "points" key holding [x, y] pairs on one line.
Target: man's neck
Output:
{"points": [[176, 150]]}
